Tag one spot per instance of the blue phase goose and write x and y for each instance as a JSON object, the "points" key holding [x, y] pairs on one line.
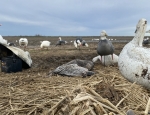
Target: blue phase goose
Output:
{"points": [[105, 46], [60, 42], [74, 68]]}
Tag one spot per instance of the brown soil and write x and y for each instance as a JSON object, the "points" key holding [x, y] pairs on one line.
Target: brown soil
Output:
{"points": [[33, 92]]}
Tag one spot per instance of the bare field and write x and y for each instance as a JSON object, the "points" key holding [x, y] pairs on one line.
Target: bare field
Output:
{"points": [[33, 92]]}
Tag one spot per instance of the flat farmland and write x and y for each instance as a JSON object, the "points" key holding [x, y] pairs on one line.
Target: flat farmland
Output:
{"points": [[34, 92]]}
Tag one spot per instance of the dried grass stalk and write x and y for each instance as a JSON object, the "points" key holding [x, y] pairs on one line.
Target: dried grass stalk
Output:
{"points": [[85, 111], [99, 111], [58, 104], [104, 100], [74, 111], [147, 107]]}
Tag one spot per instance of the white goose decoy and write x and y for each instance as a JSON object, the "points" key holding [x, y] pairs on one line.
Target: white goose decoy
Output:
{"points": [[108, 59], [23, 42], [45, 44], [134, 60], [2, 40]]}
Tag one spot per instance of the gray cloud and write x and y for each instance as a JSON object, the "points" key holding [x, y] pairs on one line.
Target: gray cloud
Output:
{"points": [[71, 17]]}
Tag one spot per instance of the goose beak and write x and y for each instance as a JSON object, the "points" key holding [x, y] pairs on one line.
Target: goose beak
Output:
{"points": [[145, 22], [135, 30]]}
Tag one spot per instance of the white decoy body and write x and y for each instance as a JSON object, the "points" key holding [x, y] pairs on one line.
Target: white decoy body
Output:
{"points": [[2, 40], [45, 44], [108, 59], [134, 59], [23, 42]]}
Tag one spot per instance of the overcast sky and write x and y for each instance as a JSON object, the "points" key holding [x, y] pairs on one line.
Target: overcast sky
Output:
{"points": [[72, 17]]}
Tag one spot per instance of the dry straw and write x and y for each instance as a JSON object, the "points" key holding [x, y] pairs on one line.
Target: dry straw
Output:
{"points": [[103, 93]]}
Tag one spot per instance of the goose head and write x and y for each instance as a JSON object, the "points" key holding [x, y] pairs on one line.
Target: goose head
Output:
{"points": [[59, 38], [103, 35], [140, 32], [79, 43]]}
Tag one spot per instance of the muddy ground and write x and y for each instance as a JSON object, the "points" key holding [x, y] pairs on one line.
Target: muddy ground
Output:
{"points": [[20, 92]]}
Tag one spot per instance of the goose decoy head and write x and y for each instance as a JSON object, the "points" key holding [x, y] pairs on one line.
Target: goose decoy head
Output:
{"points": [[59, 38], [103, 33], [140, 32], [141, 24]]}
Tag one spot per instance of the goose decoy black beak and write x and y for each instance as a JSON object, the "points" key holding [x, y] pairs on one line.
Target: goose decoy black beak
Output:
{"points": [[145, 22], [135, 30]]}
